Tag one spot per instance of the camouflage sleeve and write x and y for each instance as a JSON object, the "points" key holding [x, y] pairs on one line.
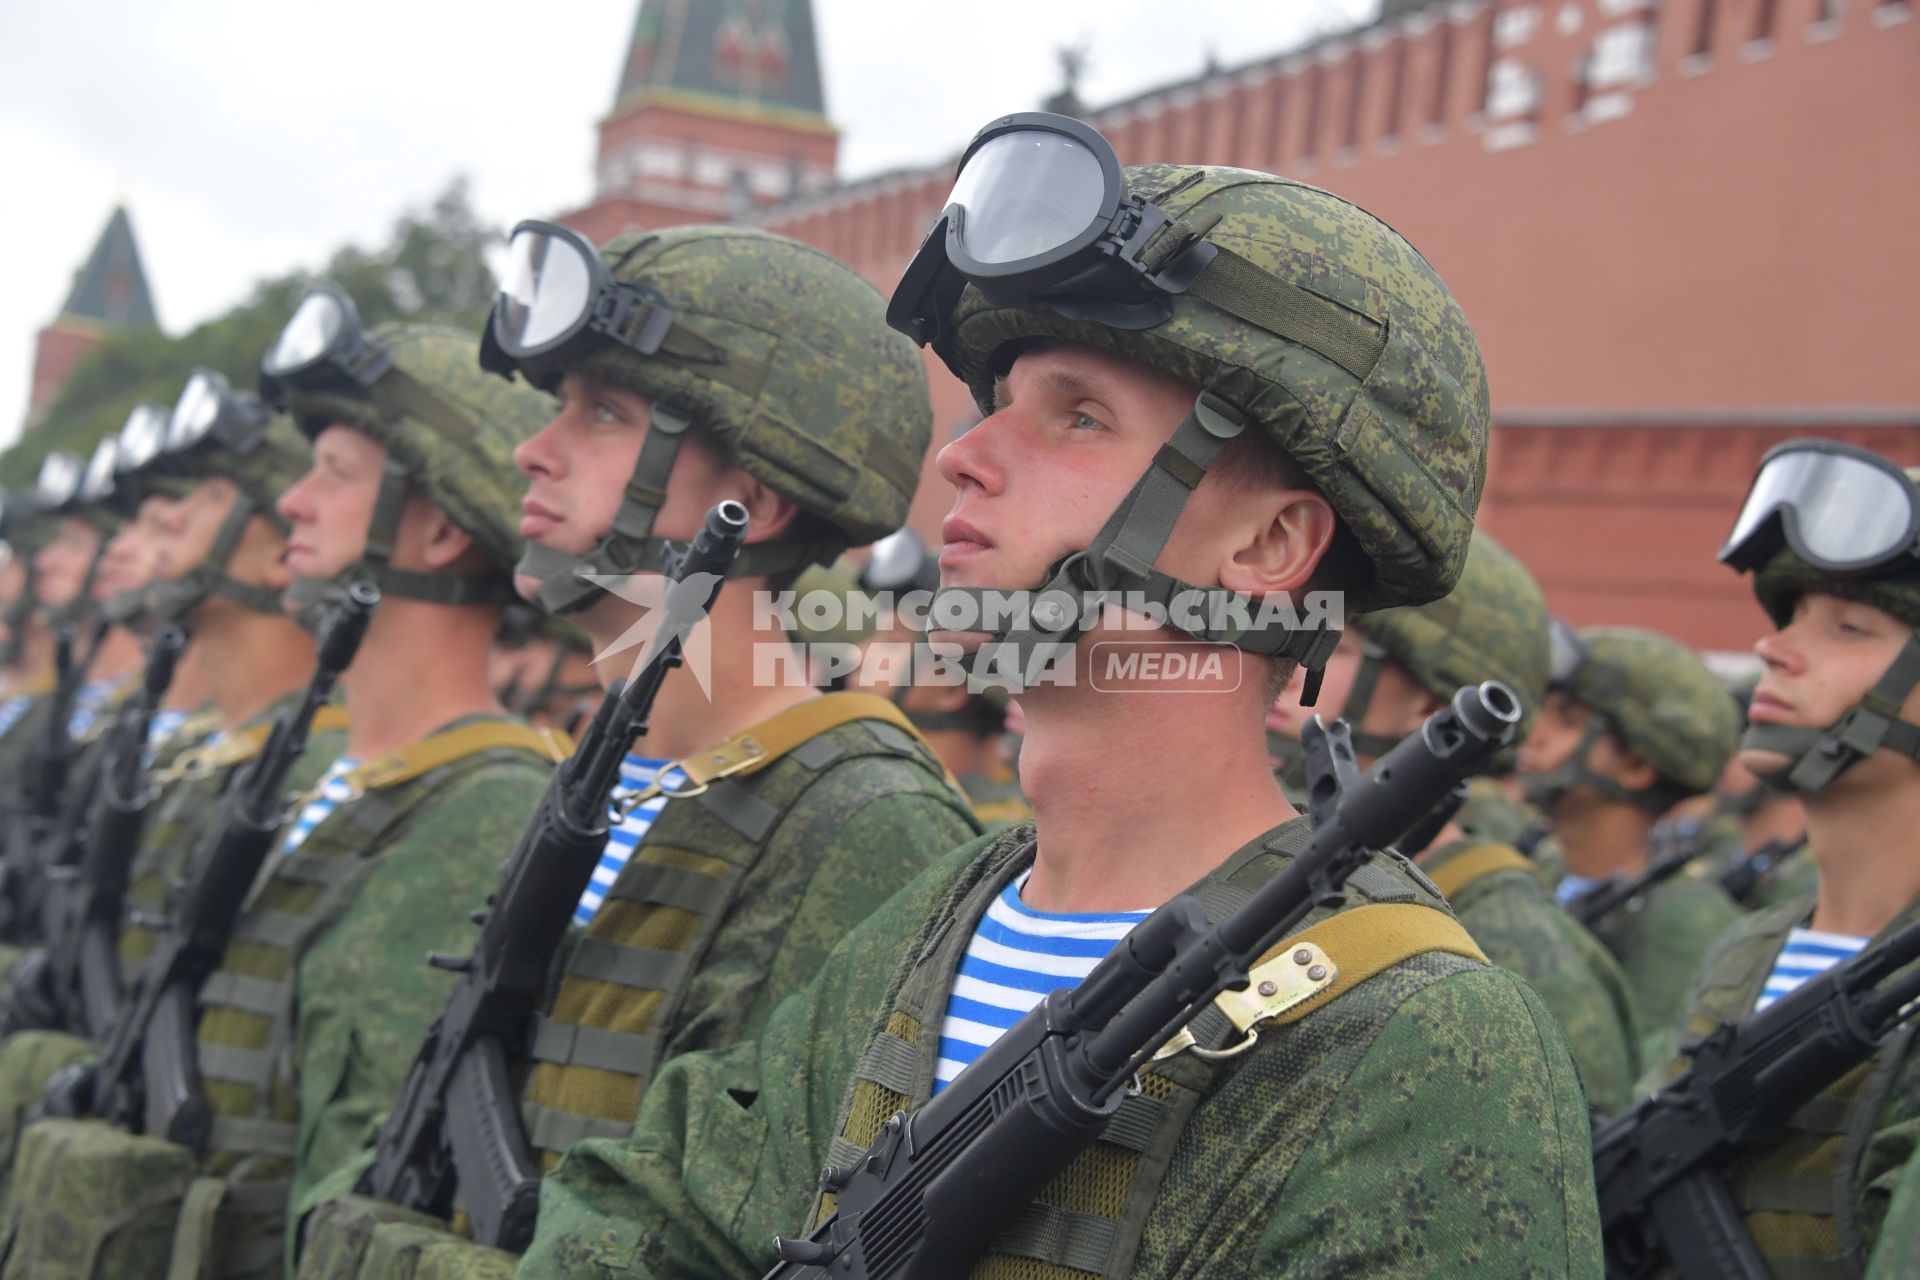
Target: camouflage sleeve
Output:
{"points": [[1885, 1165], [1458, 1146], [727, 1148], [858, 849], [1897, 1255], [1670, 942], [365, 996]]}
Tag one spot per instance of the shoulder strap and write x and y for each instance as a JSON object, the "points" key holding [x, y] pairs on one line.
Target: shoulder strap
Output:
{"points": [[1321, 963], [752, 750], [452, 745], [1472, 865]]}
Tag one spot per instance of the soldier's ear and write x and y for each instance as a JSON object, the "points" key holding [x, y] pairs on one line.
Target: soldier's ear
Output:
{"points": [[1279, 543], [1633, 772], [769, 514], [442, 544]]}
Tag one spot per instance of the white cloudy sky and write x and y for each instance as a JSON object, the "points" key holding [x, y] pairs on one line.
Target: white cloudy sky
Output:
{"points": [[249, 138]]}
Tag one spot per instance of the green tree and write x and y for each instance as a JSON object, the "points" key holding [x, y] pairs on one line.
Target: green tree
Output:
{"points": [[431, 268]]}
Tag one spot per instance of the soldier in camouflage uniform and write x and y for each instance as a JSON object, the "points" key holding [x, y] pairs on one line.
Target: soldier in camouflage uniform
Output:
{"points": [[541, 668], [1836, 719], [1638, 726], [1394, 668], [219, 547], [769, 377], [1437, 1081], [305, 1030]]}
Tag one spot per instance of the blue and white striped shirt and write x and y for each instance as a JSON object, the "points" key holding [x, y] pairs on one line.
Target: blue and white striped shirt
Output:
{"points": [[13, 708], [164, 725], [636, 773], [1018, 956], [88, 699], [1808, 954], [327, 795]]}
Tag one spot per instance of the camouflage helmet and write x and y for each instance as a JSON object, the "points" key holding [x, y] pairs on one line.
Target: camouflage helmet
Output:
{"points": [[1815, 757], [1491, 626], [1370, 377], [265, 458], [448, 429], [1660, 699], [782, 354]]}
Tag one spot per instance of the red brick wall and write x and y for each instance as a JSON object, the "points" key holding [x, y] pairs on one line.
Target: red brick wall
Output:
{"points": [[58, 348]]}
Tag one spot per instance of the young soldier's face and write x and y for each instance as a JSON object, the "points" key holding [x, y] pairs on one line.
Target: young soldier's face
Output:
{"points": [[578, 466], [1827, 657], [331, 507], [184, 528], [61, 566], [1072, 429], [130, 560]]}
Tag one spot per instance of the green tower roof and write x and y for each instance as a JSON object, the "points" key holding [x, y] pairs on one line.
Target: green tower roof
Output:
{"points": [[111, 288], [756, 56]]}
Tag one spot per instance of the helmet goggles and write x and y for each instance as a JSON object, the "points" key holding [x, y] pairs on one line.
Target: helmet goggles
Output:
{"points": [[557, 298], [1842, 509], [1040, 212], [324, 346], [211, 411]]}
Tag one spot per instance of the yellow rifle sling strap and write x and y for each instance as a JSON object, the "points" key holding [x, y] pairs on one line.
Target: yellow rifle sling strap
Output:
{"points": [[1469, 865], [752, 750], [443, 749], [1320, 964]]}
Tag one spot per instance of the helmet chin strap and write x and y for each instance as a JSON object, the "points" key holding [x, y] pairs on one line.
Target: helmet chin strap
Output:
{"points": [[566, 580], [1373, 660], [1120, 558], [1815, 757], [376, 563], [1546, 789]]}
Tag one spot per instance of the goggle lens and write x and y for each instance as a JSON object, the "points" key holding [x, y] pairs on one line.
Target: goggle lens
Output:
{"points": [[899, 562], [143, 437], [315, 327], [195, 412], [98, 481], [59, 478], [1026, 194], [547, 291], [1566, 652], [1846, 511]]}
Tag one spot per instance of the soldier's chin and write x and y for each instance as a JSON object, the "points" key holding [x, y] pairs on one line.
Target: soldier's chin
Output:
{"points": [[966, 641], [1763, 764], [527, 587]]}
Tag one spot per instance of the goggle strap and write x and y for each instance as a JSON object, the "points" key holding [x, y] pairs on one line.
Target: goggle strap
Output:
{"points": [[413, 398], [1238, 287]]}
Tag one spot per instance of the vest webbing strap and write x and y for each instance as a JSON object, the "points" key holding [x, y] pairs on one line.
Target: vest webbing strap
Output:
{"points": [[442, 749], [243, 746], [1473, 865], [752, 750], [552, 1130]]}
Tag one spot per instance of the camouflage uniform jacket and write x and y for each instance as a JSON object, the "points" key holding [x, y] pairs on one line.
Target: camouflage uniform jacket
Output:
{"points": [[1659, 938], [1816, 1201], [1521, 929], [1427, 1122]]}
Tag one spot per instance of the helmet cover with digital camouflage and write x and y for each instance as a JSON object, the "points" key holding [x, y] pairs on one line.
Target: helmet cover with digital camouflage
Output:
{"points": [[218, 432], [1292, 311], [1815, 757], [777, 351], [1493, 625], [449, 431], [1661, 702]]}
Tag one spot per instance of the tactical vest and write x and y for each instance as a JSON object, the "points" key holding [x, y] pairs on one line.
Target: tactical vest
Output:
{"points": [[699, 899], [244, 1046], [1800, 1197], [1088, 1221], [193, 784], [996, 797]]}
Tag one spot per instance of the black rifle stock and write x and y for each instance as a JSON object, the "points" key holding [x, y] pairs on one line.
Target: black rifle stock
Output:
{"points": [[1657, 1168], [456, 1124], [938, 1185], [147, 1080], [88, 897]]}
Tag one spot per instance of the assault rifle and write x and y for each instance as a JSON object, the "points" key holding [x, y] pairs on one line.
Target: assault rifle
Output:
{"points": [[1597, 903], [936, 1187], [456, 1123], [1658, 1168], [1748, 872], [36, 821], [41, 988], [86, 906], [147, 1079]]}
